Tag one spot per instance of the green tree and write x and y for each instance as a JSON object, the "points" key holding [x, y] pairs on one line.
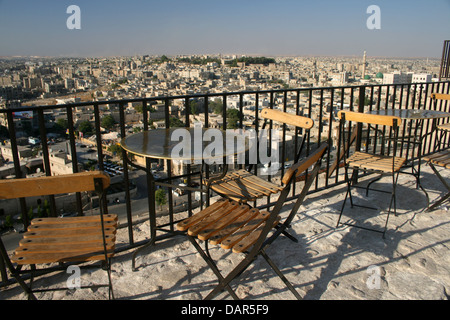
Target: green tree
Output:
{"points": [[108, 122], [175, 122], [216, 106], [116, 150], [160, 197], [86, 127], [233, 118]]}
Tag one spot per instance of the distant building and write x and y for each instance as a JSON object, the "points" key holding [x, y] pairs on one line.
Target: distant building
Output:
{"points": [[421, 78], [397, 78]]}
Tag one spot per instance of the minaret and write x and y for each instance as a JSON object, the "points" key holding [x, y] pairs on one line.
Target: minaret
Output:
{"points": [[364, 66]]}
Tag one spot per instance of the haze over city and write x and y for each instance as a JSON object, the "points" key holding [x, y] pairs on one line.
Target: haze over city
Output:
{"points": [[270, 28]]}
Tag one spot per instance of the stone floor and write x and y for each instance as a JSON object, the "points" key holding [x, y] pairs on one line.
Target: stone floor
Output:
{"points": [[328, 263]]}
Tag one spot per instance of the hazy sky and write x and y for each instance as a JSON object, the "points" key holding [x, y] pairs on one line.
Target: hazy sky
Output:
{"points": [[261, 27]]}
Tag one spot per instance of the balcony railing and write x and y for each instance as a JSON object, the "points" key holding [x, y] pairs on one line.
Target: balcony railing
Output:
{"points": [[321, 104]]}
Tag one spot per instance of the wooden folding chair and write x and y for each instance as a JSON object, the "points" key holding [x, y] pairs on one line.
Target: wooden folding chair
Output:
{"points": [[442, 157], [371, 162], [242, 185], [54, 241], [244, 229]]}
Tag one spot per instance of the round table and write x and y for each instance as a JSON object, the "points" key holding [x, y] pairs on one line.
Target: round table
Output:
{"points": [[189, 145]]}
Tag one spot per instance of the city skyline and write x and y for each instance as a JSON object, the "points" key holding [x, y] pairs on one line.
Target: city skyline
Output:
{"points": [[269, 28]]}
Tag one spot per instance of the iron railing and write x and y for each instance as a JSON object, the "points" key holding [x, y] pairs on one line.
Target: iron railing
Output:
{"points": [[321, 104]]}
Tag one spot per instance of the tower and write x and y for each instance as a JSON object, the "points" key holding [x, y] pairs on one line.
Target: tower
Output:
{"points": [[364, 66]]}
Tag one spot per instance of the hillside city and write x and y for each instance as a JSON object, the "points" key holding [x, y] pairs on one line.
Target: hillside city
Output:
{"points": [[38, 81]]}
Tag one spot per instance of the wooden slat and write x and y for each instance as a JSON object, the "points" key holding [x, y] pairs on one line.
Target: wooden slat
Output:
{"points": [[439, 158], [245, 186], [233, 226], [251, 238], [256, 186], [375, 119], [233, 187], [292, 119], [67, 233], [444, 126], [375, 162], [62, 247], [229, 194], [229, 242], [186, 223], [30, 187], [80, 256], [75, 238], [247, 176], [221, 223], [194, 230], [68, 220], [71, 226]]}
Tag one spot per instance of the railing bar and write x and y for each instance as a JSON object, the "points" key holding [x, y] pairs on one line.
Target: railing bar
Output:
{"points": [[46, 158], [126, 178], [73, 153]]}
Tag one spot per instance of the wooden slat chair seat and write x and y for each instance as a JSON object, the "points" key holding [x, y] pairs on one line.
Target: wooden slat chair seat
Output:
{"points": [[243, 186], [52, 241], [441, 158], [238, 227], [226, 222], [444, 126], [71, 239], [367, 161]]}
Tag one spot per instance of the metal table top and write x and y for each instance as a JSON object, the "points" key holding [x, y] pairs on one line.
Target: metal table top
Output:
{"points": [[184, 144], [412, 114]]}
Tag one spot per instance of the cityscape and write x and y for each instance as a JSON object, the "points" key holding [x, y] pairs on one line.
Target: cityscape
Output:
{"points": [[89, 86], [33, 81]]}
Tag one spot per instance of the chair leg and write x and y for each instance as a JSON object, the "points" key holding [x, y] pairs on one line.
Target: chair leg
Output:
{"points": [[222, 283], [107, 268], [441, 200], [15, 272], [347, 194], [280, 274]]}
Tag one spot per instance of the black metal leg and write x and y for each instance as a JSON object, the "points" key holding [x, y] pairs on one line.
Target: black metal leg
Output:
{"points": [[223, 283], [279, 274]]}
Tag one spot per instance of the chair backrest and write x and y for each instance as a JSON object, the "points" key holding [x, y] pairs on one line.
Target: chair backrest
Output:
{"points": [[287, 118], [300, 167], [50, 185], [290, 177], [374, 119]]}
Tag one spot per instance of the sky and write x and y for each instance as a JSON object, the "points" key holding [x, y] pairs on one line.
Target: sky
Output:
{"points": [[252, 27]]}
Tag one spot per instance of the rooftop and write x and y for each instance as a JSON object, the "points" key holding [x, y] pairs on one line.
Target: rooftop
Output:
{"points": [[412, 262]]}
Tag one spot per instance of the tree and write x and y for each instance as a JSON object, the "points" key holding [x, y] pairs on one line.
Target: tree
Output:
{"points": [[175, 122], [233, 118], [108, 122], [216, 106], [85, 127], [160, 197], [116, 150]]}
